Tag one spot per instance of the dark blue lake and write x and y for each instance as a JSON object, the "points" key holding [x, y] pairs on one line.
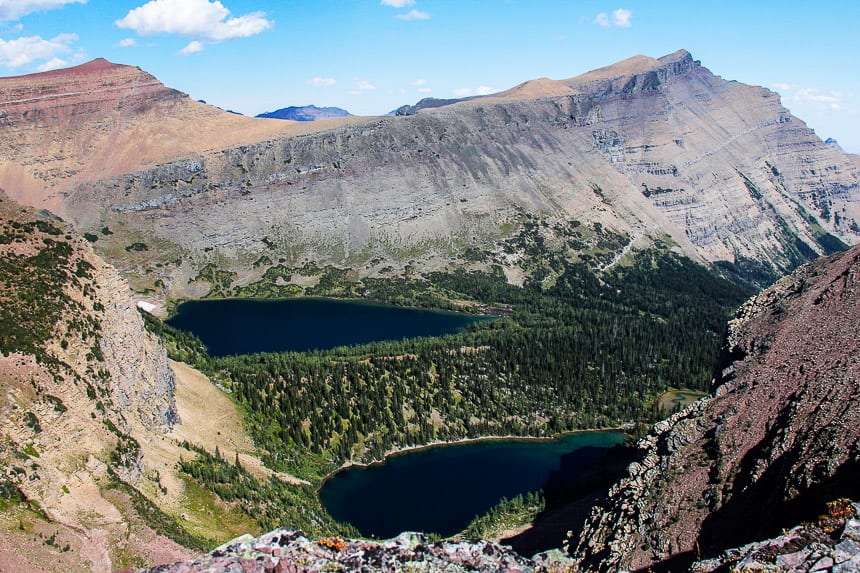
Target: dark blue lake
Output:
{"points": [[242, 326], [441, 489]]}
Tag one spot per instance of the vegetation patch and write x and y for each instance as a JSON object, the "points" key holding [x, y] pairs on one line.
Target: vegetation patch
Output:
{"points": [[506, 515], [156, 519], [271, 503]]}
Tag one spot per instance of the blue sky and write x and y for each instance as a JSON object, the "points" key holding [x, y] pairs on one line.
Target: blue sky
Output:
{"points": [[371, 56]]}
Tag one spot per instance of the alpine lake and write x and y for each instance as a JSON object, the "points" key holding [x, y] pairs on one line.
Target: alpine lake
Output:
{"points": [[439, 488]]}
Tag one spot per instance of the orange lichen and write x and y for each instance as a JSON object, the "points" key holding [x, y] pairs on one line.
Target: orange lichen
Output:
{"points": [[333, 543]]}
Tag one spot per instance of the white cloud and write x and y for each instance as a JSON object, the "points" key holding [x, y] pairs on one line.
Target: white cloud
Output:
{"points": [[193, 47], [200, 20], [425, 90], [834, 100], [419, 83], [621, 18], [484, 90], [362, 86], [318, 82], [397, 3], [414, 15], [831, 99], [127, 43], [14, 9], [22, 51], [53, 64]]}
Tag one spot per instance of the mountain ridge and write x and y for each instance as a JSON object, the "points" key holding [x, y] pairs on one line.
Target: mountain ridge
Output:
{"points": [[648, 147], [665, 155]]}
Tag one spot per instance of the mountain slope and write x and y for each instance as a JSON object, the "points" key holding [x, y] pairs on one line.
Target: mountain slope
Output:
{"points": [[658, 149], [93, 418], [80, 383], [779, 438], [99, 119]]}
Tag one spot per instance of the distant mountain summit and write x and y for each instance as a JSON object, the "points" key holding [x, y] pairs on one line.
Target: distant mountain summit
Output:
{"points": [[426, 103], [306, 113]]}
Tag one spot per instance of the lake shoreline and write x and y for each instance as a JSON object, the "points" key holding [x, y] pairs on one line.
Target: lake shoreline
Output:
{"points": [[310, 324], [460, 479], [460, 441]]}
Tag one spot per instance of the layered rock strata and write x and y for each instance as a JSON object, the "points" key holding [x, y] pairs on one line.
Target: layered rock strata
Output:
{"points": [[649, 147]]}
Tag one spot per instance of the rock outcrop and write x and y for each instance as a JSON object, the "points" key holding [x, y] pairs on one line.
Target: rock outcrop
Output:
{"points": [[141, 379], [654, 148], [803, 549], [832, 544], [288, 551], [778, 439]]}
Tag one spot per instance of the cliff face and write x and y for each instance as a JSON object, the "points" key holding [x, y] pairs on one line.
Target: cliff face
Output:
{"points": [[779, 438], [650, 147], [80, 382], [141, 379]]}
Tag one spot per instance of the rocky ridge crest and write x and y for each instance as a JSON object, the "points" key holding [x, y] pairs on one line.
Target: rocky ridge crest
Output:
{"points": [[665, 148], [289, 551]]}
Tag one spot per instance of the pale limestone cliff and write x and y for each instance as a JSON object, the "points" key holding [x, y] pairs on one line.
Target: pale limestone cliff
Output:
{"points": [[141, 379]]}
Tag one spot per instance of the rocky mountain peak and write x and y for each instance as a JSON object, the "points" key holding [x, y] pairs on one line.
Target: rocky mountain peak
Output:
{"points": [[98, 119], [95, 66], [639, 74]]}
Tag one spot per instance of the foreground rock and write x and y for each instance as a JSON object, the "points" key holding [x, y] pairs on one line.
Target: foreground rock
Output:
{"points": [[288, 551], [778, 440], [803, 549]]}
